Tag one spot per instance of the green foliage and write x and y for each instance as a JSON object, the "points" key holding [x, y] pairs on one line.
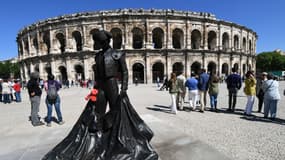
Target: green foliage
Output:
{"points": [[270, 61], [8, 69]]}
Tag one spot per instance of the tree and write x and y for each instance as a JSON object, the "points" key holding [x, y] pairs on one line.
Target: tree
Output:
{"points": [[270, 61], [8, 69]]}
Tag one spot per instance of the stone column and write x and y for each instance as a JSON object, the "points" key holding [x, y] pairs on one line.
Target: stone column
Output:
{"points": [[169, 36], [205, 37], [86, 69], [30, 50], [41, 69], [52, 65], [39, 51], [188, 35], [148, 70], [26, 74], [68, 68], [52, 49]]}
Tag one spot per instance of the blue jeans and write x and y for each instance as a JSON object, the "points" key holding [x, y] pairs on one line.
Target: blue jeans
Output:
{"points": [[270, 106], [57, 109], [18, 96], [213, 101], [6, 98]]}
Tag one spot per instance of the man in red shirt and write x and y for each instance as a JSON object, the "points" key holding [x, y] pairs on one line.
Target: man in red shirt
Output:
{"points": [[17, 88]]}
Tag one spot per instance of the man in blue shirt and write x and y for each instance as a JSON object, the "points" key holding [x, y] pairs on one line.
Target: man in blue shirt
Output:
{"points": [[234, 83], [203, 87]]}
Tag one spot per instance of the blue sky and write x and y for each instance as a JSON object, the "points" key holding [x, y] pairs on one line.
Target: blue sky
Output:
{"points": [[265, 17]]}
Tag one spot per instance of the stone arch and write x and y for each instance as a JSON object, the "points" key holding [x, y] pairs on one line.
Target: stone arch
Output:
{"points": [[157, 38], [79, 72], [250, 46], [212, 68], [212, 40], [236, 67], [177, 38], [244, 44], [48, 69], [92, 34], [35, 44], [37, 68], [60, 43], [225, 69], [196, 39], [225, 41], [138, 37], [63, 73], [138, 72], [117, 38], [196, 67], [243, 68], [236, 42], [26, 46], [46, 40], [76, 35], [157, 71], [177, 68]]}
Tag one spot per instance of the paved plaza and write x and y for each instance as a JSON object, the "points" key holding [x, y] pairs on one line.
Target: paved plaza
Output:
{"points": [[187, 135]]}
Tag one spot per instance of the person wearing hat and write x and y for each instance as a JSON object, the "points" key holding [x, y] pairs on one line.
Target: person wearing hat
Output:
{"points": [[35, 97]]}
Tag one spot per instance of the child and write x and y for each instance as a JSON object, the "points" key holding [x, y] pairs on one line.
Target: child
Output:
{"points": [[92, 95]]}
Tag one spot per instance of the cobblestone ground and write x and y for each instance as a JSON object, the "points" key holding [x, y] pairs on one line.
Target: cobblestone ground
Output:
{"points": [[233, 134]]}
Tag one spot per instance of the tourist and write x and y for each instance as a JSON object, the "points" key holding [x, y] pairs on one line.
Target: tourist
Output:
{"points": [[173, 90], [6, 91], [234, 83], [214, 91], [181, 91], [17, 88], [158, 81], [165, 84], [192, 85], [203, 87], [259, 91], [271, 96], [52, 87], [1, 88], [250, 91], [35, 97]]}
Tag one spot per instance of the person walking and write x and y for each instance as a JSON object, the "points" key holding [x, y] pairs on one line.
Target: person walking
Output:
{"points": [[259, 90], [35, 97], [234, 83], [250, 91], [214, 91], [17, 88], [52, 87], [192, 85], [6, 91], [1, 88], [271, 96], [203, 87], [181, 91], [173, 90]]}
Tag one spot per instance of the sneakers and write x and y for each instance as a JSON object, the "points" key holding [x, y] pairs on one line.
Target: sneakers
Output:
{"points": [[61, 122], [40, 123]]}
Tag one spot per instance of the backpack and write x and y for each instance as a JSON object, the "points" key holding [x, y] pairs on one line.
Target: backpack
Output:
{"points": [[52, 93]]}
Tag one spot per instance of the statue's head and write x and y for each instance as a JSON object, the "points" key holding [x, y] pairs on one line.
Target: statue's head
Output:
{"points": [[103, 38]]}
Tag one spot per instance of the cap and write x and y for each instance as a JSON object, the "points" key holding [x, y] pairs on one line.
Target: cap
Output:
{"points": [[264, 73]]}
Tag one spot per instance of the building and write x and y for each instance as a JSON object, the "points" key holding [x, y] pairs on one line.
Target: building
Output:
{"points": [[156, 42]]}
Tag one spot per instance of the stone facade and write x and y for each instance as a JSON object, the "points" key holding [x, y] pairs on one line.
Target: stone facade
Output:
{"points": [[156, 42]]}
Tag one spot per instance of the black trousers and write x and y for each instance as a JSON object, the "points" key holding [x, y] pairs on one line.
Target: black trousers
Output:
{"points": [[232, 98]]}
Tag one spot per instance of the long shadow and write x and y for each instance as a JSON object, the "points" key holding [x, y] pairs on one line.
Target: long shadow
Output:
{"points": [[160, 108], [265, 120], [236, 112]]}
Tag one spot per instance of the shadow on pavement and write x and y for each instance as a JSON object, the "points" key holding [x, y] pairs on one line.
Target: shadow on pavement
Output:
{"points": [[265, 120]]}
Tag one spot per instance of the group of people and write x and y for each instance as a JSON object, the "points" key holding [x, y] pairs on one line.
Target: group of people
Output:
{"points": [[264, 87], [52, 98], [10, 90]]}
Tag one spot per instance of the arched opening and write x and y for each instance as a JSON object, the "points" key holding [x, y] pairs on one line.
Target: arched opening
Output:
{"points": [[137, 38], [61, 40], [236, 67], [243, 68], [26, 47], [225, 41], [63, 74], [212, 40], [196, 67], [177, 68], [225, 69], [250, 46], [46, 40], [35, 44], [249, 67], [79, 72], [37, 68], [244, 44], [92, 33], [157, 71], [76, 35], [157, 38], [195, 39], [138, 72], [212, 68], [94, 70], [48, 69], [236, 42], [117, 38], [177, 38]]}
